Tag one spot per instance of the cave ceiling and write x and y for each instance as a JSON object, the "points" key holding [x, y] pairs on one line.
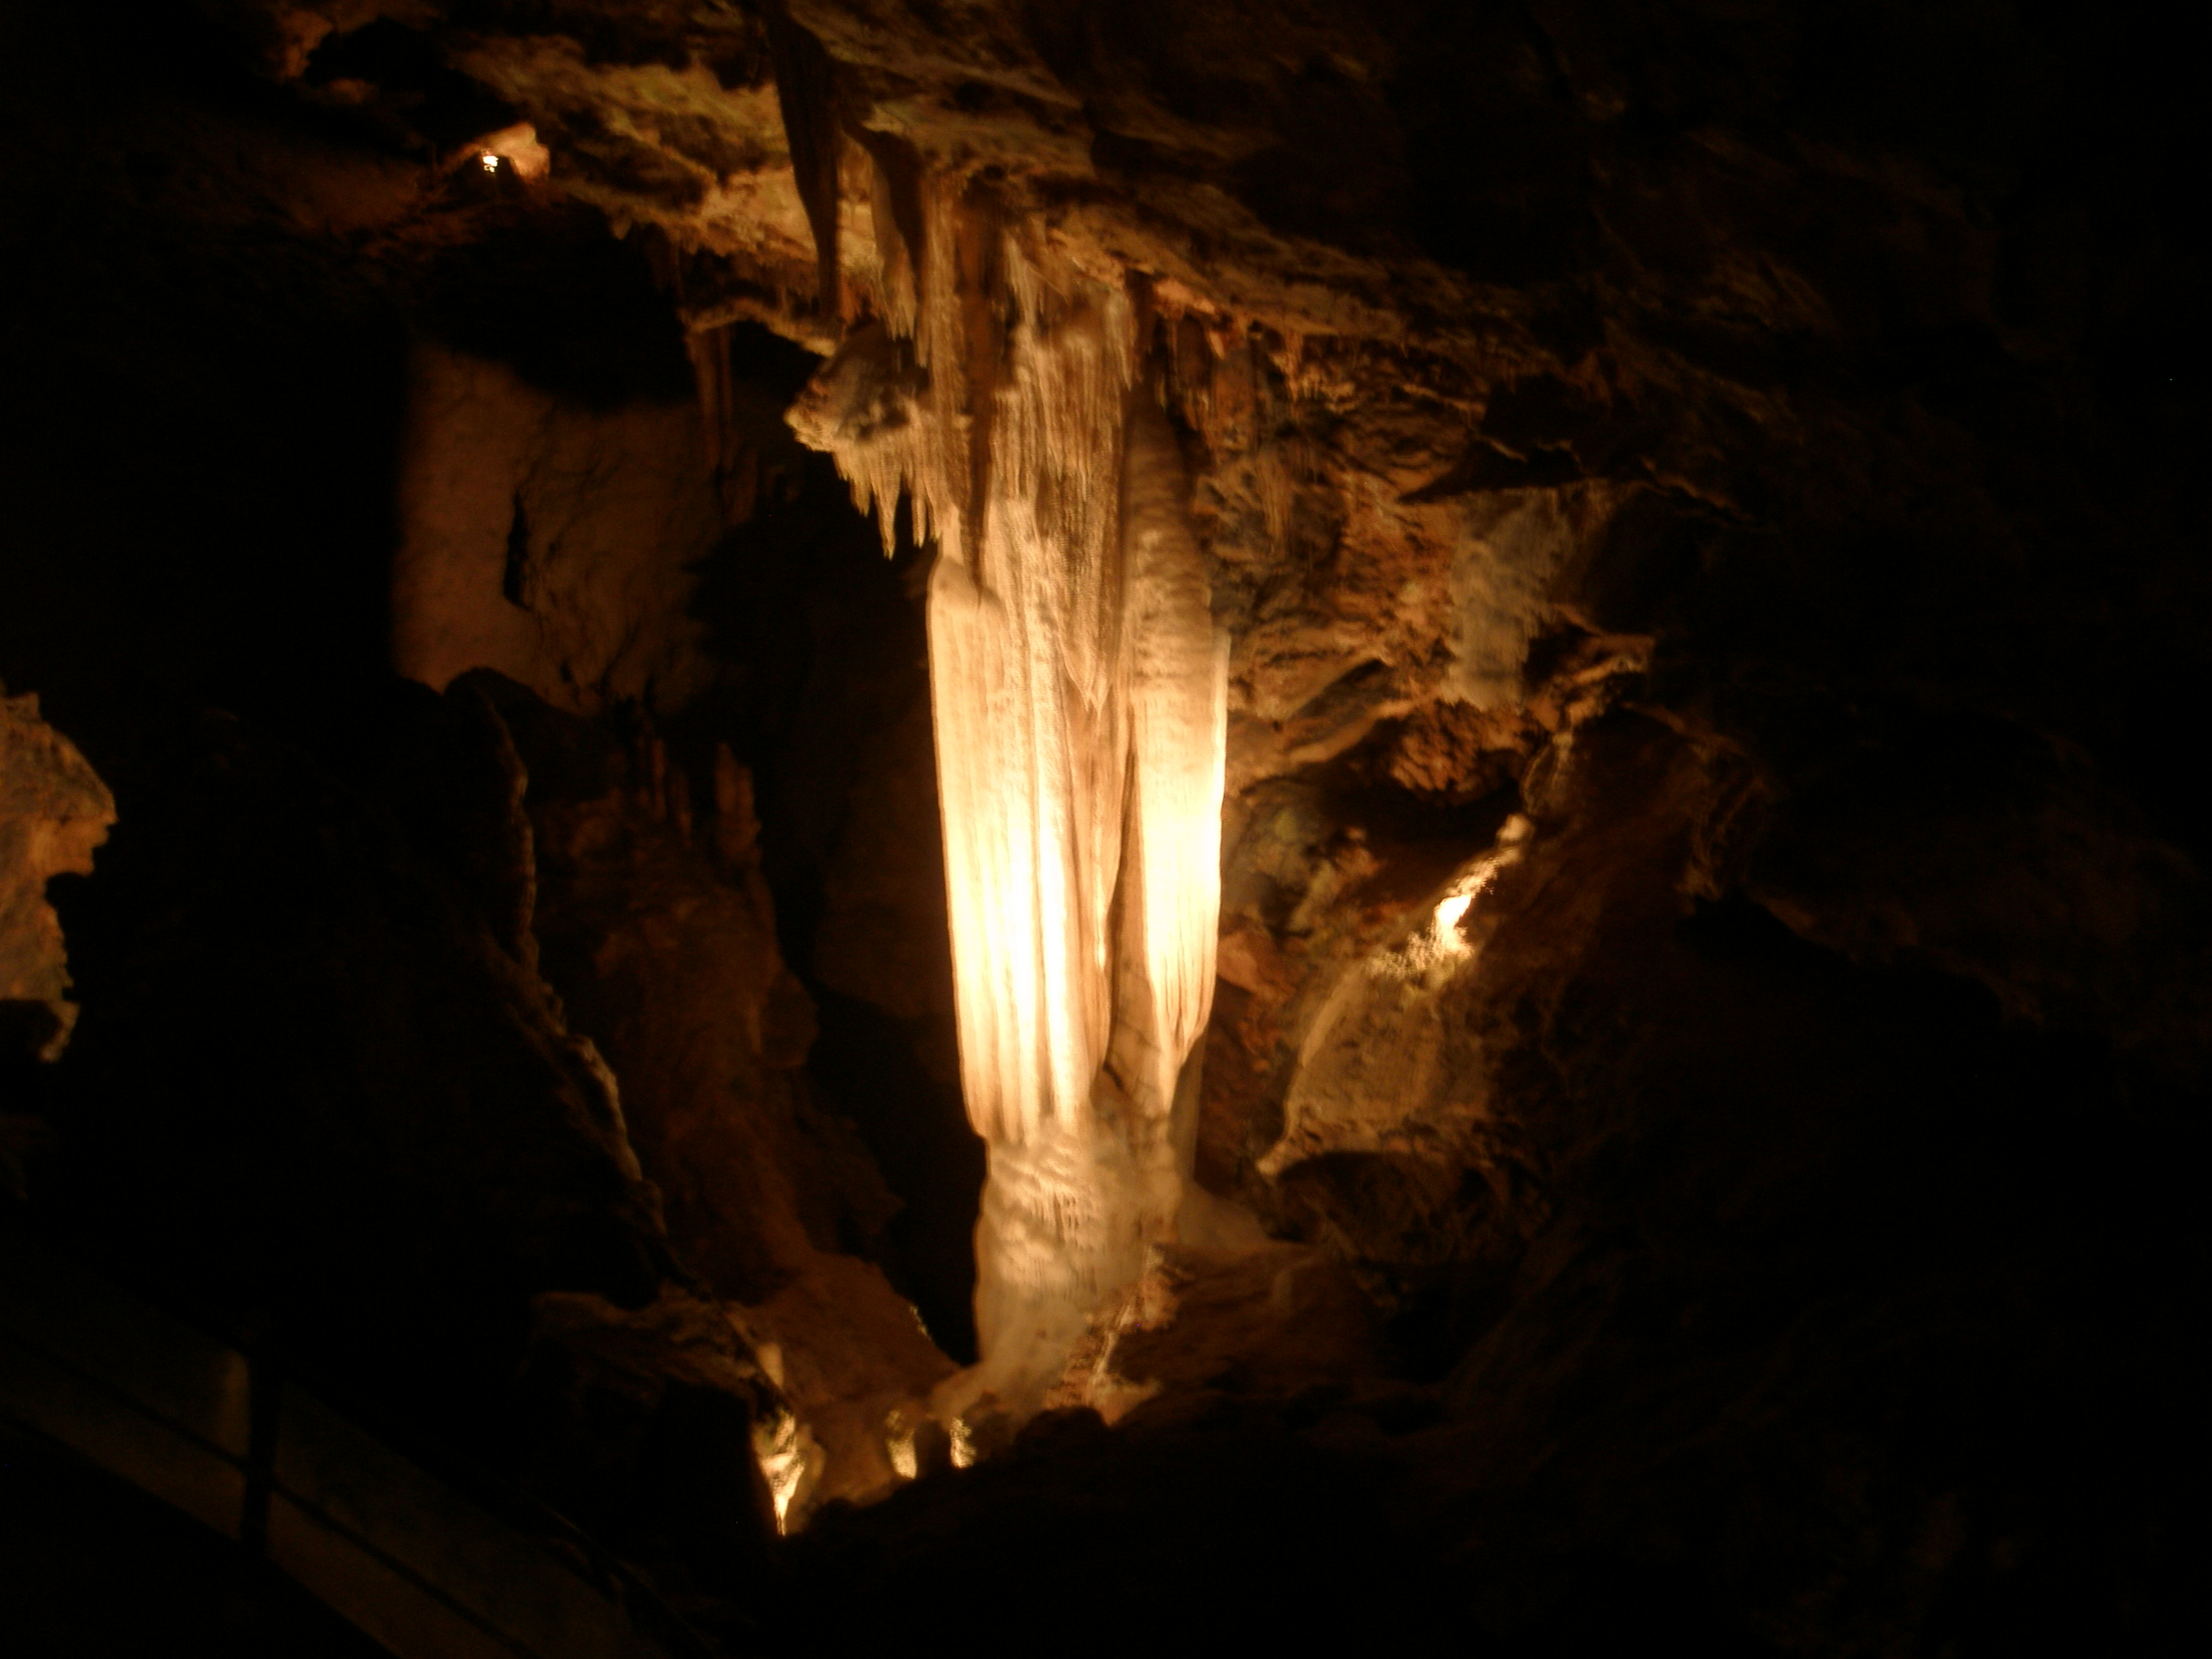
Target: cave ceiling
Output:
{"points": [[1756, 351]]}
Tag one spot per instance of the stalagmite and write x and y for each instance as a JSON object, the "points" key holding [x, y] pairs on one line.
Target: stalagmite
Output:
{"points": [[1078, 689]]}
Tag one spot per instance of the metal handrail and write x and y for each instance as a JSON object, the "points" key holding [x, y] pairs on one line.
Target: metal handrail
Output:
{"points": [[234, 1441]]}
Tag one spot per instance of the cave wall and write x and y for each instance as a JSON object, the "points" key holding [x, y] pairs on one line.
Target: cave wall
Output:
{"points": [[1712, 992], [548, 542], [333, 1106]]}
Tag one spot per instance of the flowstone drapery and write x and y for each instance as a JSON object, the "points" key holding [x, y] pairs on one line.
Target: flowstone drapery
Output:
{"points": [[1078, 684]]}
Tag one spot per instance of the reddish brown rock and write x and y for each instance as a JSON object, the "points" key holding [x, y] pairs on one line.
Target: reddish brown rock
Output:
{"points": [[656, 926], [54, 809], [1268, 1318]]}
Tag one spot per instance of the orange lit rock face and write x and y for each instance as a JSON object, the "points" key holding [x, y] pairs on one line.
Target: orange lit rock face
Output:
{"points": [[667, 956], [547, 540], [54, 809]]}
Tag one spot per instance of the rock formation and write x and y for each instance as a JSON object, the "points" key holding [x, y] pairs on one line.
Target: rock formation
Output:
{"points": [[1076, 691], [1531, 705], [54, 809]]}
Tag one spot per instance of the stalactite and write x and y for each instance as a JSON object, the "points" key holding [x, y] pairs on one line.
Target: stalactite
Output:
{"points": [[806, 93], [1179, 666], [1077, 685], [726, 448]]}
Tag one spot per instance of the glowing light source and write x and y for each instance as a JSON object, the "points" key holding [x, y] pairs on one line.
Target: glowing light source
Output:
{"points": [[790, 1461], [514, 149], [899, 1433]]}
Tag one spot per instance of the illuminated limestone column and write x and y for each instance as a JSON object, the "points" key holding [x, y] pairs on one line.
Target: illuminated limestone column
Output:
{"points": [[1077, 685], [1079, 1185]]}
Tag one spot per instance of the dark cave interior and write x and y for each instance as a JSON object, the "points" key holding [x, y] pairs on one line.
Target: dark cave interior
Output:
{"points": [[1705, 1070]]}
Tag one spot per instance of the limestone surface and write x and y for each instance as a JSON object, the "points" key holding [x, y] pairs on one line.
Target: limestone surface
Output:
{"points": [[54, 811]]}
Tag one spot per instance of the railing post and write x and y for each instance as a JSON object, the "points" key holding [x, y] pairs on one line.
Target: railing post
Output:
{"points": [[264, 1400]]}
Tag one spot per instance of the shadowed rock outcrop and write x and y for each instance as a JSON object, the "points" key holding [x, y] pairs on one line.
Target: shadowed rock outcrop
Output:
{"points": [[655, 922], [328, 1103]]}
